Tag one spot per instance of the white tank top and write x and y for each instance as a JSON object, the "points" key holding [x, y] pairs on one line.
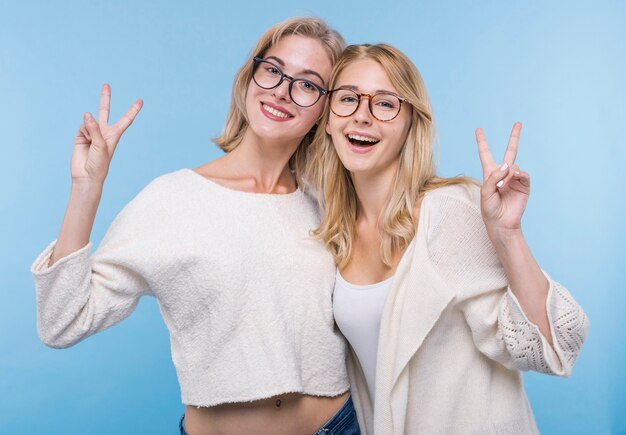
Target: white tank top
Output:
{"points": [[358, 310]]}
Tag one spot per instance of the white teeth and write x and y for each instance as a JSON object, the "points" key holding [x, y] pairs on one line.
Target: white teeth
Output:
{"points": [[275, 112], [363, 138]]}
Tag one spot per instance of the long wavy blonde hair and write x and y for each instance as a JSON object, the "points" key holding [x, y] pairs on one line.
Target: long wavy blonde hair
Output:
{"points": [[237, 121], [332, 184]]}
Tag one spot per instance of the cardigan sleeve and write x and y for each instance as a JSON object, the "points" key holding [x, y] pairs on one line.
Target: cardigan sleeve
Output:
{"points": [[82, 294], [460, 248], [502, 331], [568, 326]]}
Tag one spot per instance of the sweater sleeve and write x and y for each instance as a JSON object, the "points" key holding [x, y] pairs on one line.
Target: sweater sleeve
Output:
{"points": [[82, 294], [466, 259]]}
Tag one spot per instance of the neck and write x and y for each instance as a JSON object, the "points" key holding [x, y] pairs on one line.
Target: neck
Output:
{"points": [[265, 163], [373, 191]]}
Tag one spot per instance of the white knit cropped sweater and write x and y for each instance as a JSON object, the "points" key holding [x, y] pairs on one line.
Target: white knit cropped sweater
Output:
{"points": [[244, 290]]}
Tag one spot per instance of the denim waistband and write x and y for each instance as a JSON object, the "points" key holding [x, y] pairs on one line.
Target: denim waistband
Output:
{"points": [[344, 422]]}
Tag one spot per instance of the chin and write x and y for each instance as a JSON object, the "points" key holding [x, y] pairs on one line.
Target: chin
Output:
{"points": [[355, 167]]}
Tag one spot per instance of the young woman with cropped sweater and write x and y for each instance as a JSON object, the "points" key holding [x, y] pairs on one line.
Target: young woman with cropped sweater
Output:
{"points": [[226, 250]]}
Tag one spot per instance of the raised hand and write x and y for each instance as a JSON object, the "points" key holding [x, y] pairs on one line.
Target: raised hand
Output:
{"points": [[94, 146], [504, 196], [505, 189], [96, 141]]}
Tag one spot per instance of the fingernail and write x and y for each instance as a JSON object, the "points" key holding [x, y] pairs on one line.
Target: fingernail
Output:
{"points": [[500, 183], [503, 168], [87, 116]]}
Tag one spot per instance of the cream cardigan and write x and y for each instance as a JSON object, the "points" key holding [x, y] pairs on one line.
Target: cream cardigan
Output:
{"points": [[453, 339]]}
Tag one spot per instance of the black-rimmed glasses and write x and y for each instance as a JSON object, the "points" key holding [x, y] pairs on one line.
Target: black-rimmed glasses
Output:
{"points": [[302, 92], [383, 106]]}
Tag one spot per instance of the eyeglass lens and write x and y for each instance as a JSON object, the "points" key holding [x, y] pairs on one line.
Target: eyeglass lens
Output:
{"points": [[302, 92], [383, 106]]}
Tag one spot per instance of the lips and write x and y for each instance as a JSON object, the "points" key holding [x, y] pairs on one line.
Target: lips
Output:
{"points": [[362, 140], [275, 112]]}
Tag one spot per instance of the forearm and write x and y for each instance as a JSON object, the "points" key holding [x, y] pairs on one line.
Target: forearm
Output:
{"points": [[78, 220], [527, 281]]}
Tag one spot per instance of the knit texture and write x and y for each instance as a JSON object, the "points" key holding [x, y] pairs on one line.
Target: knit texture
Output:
{"points": [[454, 338], [244, 290]]}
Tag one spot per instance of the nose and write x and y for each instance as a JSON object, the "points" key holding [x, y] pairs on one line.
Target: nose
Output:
{"points": [[281, 92], [362, 114]]}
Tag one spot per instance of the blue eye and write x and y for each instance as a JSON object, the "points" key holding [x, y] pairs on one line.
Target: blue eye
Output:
{"points": [[386, 102], [305, 86]]}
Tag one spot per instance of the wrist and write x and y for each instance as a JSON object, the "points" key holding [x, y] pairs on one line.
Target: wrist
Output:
{"points": [[90, 191], [504, 238]]}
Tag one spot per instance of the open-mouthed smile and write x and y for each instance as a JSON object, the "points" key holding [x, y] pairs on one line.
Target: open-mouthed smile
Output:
{"points": [[361, 139], [361, 143]]}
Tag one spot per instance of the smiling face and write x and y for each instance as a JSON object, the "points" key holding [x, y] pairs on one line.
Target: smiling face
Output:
{"points": [[364, 144], [272, 116]]}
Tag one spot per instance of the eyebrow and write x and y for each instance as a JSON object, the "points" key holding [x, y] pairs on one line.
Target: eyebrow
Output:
{"points": [[306, 71], [356, 88]]}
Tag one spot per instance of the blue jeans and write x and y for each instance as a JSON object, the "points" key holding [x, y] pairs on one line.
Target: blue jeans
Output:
{"points": [[344, 422]]}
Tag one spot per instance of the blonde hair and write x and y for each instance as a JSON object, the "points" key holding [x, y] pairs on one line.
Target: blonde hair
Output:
{"points": [[331, 182], [236, 120]]}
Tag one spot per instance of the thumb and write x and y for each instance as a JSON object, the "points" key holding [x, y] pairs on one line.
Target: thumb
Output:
{"points": [[97, 141], [495, 180]]}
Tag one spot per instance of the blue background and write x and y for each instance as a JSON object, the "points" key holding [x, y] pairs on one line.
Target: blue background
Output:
{"points": [[559, 67]]}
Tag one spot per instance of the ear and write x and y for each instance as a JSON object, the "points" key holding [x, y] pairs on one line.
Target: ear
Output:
{"points": [[326, 128]]}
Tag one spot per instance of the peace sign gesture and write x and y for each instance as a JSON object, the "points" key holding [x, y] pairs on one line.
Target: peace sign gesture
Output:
{"points": [[505, 189], [96, 141]]}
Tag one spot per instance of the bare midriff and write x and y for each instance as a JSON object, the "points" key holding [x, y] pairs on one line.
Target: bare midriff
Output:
{"points": [[288, 414]]}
